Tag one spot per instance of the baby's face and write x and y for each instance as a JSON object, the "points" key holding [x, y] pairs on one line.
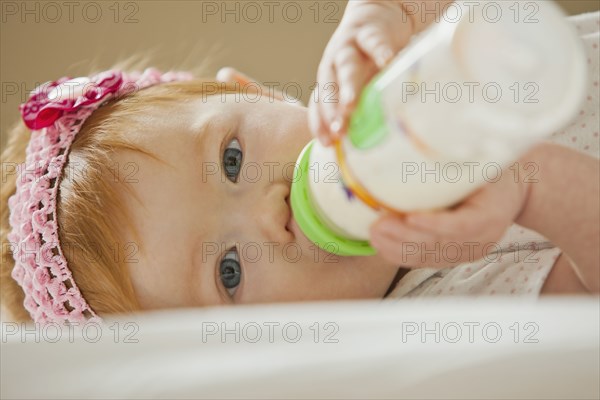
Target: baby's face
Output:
{"points": [[213, 235]]}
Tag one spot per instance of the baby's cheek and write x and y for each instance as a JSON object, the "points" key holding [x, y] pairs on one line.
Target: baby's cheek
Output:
{"points": [[271, 280], [315, 276]]}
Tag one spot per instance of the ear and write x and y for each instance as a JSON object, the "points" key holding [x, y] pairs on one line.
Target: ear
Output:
{"points": [[229, 74]]}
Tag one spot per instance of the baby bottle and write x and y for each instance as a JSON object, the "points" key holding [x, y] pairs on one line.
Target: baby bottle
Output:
{"points": [[462, 101]]}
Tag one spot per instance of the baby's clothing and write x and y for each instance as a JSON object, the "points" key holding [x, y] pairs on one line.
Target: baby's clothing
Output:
{"points": [[583, 132], [523, 258]]}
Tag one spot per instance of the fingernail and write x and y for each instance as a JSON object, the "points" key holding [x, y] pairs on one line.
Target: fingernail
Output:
{"points": [[336, 126], [384, 56]]}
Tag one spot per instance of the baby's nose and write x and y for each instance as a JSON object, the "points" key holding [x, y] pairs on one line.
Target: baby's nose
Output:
{"points": [[271, 213]]}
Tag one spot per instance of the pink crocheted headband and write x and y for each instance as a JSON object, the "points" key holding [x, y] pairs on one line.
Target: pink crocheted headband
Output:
{"points": [[56, 112]]}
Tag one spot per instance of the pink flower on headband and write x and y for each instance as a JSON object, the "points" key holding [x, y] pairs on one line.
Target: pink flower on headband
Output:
{"points": [[49, 101]]}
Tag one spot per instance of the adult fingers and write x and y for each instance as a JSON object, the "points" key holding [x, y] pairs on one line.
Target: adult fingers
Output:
{"points": [[353, 71], [323, 103], [397, 242]]}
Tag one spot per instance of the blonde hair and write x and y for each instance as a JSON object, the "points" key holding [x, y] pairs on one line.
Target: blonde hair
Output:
{"points": [[90, 205]]}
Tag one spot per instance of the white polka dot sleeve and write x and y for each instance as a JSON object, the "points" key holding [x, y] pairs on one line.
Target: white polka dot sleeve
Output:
{"points": [[583, 132]]}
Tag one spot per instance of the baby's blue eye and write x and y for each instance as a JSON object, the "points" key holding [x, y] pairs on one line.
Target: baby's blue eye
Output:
{"points": [[232, 160], [230, 271]]}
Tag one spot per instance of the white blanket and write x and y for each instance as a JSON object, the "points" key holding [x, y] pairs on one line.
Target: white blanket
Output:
{"points": [[446, 348]]}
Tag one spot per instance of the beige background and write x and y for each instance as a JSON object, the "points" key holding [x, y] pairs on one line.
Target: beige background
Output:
{"points": [[41, 41]]}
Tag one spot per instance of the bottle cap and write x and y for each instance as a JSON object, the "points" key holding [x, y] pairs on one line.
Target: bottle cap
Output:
{"points": [[310, 223]]}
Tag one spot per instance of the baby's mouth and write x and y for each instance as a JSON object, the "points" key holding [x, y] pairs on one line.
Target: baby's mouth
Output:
{"points": [[293, 227], [289, 221]]}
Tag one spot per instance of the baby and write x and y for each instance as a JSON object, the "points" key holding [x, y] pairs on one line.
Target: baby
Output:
{"points": [[175, 194]]}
